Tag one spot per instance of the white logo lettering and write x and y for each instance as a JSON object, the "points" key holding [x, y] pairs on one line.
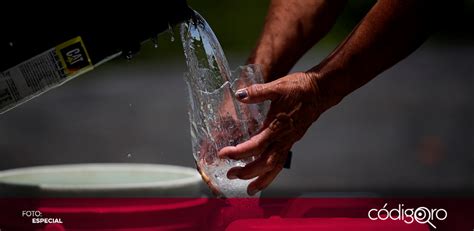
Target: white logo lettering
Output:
{"points": [[421, 215], [74, 56]]}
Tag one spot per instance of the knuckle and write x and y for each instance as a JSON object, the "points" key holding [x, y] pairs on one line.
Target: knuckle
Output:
{"points": [[256, 140], [257, 89], [280, 87], [272, 161], [267, 168], [260, 143]]}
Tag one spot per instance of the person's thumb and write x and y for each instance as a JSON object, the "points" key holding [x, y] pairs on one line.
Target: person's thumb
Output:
{"points": [[257, 93]]}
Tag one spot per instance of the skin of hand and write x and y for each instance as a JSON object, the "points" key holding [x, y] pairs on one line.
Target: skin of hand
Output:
{"points": [[388, 33], [279, 47], [278, 50], [296, 104], [291, 28]]}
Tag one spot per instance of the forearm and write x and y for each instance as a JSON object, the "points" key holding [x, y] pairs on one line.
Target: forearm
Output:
{"points": [[291, 28], [390, 31]]}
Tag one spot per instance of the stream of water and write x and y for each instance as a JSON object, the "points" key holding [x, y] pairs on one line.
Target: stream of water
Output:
{"points": [[217, 119]]}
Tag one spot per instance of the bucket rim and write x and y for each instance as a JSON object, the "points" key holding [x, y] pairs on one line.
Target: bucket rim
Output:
{"points": [[191, 176]]}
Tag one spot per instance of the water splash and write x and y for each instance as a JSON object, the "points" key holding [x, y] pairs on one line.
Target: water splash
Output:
{"points": [[154, 40], [217, 119], [170, 31], [204, 55], [129, 55]]}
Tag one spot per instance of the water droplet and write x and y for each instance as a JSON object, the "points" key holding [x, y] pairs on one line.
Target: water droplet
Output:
{"points": [[130, 105], [129, 155], [154, 40], [129, 54], [11, 44], [170, 31]]}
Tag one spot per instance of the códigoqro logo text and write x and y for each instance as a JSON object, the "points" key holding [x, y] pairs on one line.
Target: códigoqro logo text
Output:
{"points": [[421, 215]]}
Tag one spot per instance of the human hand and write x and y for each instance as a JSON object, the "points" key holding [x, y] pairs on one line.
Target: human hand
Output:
{"points": [[296, 103]]}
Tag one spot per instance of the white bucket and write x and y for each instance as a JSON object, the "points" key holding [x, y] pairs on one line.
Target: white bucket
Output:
{"points": [[101, 180]]}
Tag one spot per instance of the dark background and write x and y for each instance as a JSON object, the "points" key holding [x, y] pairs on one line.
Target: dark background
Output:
{"points": [[408, 131]]}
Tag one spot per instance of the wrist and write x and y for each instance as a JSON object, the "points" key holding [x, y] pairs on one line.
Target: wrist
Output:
{"points": [[331, 86]]}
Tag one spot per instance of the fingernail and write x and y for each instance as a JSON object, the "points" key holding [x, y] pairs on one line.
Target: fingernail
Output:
{"points": [[252, 191], [241, 94]]}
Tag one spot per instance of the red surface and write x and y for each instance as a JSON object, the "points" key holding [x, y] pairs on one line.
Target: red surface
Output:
{"points": [[322, 224], [143, 214]]}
